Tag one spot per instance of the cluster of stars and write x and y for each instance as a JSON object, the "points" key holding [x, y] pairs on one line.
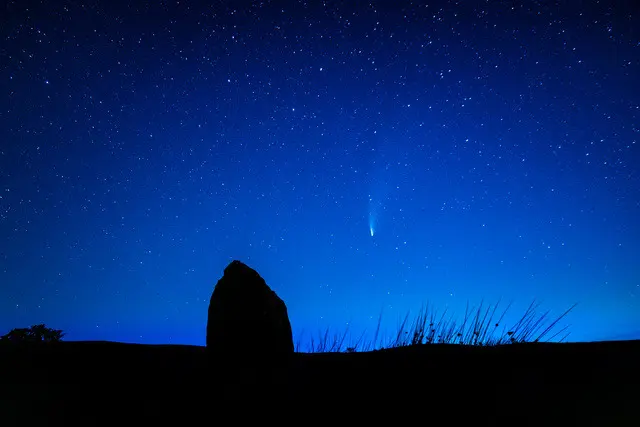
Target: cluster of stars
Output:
{"points": [[146, 146]]}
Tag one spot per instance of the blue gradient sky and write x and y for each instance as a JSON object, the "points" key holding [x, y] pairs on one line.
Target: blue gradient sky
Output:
{"points": [[493, 146]]}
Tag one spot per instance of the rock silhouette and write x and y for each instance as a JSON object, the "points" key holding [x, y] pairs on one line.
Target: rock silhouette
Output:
{"points": [[247, 320]]}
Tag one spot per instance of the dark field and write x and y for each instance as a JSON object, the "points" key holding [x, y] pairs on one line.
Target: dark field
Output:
{"points": [[93, 383]]}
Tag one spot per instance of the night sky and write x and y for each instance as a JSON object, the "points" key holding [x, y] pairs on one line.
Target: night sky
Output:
{"points": [[362, 157]]}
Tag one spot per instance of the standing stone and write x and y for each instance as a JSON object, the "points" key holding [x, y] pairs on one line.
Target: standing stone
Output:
{"points": [[248, 323]]}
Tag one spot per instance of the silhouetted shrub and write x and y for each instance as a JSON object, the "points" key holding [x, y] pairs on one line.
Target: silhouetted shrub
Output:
{"points": [[36, 333]]}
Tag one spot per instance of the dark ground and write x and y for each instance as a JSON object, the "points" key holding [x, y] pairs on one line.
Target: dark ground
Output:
{"points": [[99, 383]]}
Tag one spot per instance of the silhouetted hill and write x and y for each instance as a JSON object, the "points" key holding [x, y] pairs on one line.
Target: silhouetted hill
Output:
{"points": [[89, 382]]}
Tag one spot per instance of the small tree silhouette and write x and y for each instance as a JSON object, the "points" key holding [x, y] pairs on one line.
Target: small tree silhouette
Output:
{"points": [[36, 333]]}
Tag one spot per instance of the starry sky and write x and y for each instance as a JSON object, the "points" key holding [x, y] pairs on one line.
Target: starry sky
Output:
{"points": [[363, 157]]}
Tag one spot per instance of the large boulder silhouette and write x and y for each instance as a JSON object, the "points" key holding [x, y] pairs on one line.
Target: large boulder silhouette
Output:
{"points": [[247, 321]]}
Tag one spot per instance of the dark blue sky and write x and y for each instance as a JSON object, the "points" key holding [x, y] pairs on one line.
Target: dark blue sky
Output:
{"points": [[490, 148]]}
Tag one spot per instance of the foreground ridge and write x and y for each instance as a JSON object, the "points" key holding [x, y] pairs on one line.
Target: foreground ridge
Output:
{"points": [[579, 382]]}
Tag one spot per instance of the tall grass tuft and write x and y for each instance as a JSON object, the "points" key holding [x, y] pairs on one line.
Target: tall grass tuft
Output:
{"points": [[480, 326]]}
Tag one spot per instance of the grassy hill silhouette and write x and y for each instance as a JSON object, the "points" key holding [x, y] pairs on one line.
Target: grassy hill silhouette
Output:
{"points": [[509, 384], [477, 370]]}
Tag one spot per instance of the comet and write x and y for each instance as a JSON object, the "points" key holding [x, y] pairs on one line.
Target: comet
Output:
{"points": [[372, 223]]}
